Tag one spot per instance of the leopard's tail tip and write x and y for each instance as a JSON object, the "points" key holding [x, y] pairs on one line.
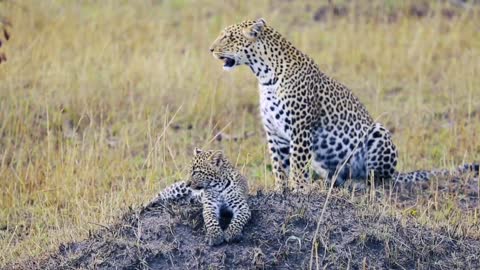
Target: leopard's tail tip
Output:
{"points": [[474, 168]]}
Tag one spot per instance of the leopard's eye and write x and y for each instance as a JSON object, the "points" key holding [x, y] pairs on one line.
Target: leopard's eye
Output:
{"points": [[224, 36]]}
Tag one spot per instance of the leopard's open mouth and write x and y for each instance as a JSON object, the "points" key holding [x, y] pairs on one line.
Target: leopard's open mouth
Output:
{"points": [[227, 62]]}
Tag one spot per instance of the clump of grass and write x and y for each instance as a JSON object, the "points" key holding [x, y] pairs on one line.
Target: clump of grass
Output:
{"points": [[101, 103]]}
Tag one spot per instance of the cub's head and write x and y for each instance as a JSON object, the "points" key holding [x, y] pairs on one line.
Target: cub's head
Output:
{"points": [[206, 169], [237, 43]]}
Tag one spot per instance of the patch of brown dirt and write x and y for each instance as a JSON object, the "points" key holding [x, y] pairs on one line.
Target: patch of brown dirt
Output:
{"points": [[278, 236]]}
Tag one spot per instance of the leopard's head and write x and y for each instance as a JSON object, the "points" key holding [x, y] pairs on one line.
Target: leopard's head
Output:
{"points": [[206, 170], [238, 43]]}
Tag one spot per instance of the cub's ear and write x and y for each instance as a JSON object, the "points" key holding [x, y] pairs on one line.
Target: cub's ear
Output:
{"points": [[197, 151], [217, 158], [255, 30]]}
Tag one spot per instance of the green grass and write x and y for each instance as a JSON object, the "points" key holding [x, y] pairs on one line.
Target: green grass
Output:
{"points": [[92, 89]]}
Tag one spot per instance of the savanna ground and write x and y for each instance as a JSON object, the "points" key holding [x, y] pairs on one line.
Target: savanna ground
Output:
{"points": [[102, 102]]}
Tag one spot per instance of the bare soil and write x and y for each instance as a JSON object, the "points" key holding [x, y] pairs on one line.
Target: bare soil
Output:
{"points": [[278, 236]]}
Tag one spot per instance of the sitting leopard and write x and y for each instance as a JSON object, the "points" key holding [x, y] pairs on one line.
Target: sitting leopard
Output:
{"points": [[308, 117], [216, 183]]}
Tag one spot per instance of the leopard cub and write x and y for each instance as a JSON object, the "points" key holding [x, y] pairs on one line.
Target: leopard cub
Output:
{"points": [[220, 188]]}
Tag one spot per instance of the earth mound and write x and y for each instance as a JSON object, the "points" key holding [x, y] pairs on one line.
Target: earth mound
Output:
{"points": [[279, 236]]}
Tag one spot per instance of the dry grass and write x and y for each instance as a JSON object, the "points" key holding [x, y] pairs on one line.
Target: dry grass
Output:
{"points": [[97, 97]]}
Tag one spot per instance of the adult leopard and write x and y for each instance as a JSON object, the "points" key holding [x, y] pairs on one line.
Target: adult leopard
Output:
{"points": [[309, 117]]}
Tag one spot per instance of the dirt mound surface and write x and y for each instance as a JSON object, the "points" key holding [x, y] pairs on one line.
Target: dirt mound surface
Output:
{"points": [[278, 236]]}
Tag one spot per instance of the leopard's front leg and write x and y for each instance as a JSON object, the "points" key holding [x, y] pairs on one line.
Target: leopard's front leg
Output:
{"points": [[279, 152], [211, 212], [176, 192], [300, 156], [241, 215]]}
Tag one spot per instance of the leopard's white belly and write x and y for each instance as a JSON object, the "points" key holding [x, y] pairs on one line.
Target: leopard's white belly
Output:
{"points": [[273, 112]]}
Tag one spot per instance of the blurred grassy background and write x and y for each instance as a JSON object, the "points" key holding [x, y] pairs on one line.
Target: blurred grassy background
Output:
{"points": [[102, 102]]}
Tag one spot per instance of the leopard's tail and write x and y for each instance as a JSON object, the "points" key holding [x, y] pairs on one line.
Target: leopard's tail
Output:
{"points": [[425, 175]]}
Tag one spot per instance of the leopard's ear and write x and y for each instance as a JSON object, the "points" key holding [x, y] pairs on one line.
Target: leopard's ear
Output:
{"points": [[217, 158], [197, 151], [255, 30]]}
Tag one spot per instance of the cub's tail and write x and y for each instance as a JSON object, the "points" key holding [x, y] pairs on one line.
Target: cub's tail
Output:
{"points": [[425, 175]]}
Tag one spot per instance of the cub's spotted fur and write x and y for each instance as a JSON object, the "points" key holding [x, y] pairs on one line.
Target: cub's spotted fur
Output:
{"points": [[220, 188], [310, 118]]}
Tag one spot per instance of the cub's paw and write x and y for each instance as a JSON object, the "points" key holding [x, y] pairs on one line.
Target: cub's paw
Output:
{"points": [[232, 237], [214, 240]]}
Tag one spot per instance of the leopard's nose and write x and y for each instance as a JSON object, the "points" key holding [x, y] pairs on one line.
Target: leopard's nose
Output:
{"points": [[211, 49]]}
